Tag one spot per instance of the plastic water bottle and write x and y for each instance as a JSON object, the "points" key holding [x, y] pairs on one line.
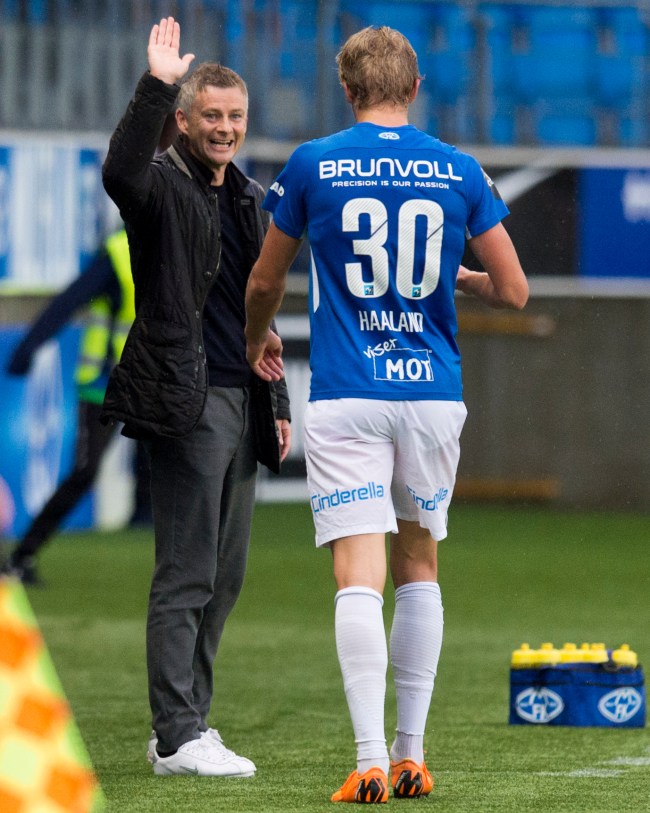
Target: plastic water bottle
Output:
{"points": [[524, 658], [598, 653], [548, 655], [624, 656], [585, 653], [570, 654]]}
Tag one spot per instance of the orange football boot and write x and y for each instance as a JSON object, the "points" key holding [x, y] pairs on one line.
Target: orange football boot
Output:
{"points": [[410, 780], [369, 788]]}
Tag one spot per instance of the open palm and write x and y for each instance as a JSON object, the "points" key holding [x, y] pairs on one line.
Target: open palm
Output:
{"points": [[165, 62]]}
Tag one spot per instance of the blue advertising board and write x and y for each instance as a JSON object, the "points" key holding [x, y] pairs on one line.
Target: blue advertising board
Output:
{"points": [[614, 222], [49, 229], [38, 423]]}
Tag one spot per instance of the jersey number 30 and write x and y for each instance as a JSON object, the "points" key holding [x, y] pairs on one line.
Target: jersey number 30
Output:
{"points": [[373, 247]]}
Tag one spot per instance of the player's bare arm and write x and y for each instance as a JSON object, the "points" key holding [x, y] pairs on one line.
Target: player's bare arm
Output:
{"points": [[165, 62], [265, 356], [503, 284], [264, 294]]}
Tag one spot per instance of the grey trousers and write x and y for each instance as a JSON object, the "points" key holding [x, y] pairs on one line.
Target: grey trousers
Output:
{"points": [[203, 492]]}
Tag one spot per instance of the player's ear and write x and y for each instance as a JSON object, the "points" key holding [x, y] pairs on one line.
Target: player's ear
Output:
{"points": [[415, 89]]}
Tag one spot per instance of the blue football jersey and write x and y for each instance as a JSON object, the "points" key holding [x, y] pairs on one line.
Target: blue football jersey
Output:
{"points": [[387, 211]]}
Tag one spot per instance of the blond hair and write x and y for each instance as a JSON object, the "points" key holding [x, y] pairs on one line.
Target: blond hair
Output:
{"points": [[378, 66], [208, 74]]}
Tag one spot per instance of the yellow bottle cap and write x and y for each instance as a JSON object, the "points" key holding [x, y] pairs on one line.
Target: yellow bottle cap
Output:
{"points": [[524, 657], [599, 653], [569, 654], [624, 656], [548, 654], [584, 653]]}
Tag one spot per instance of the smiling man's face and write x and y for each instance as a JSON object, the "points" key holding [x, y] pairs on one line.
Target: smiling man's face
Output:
{"points": [[215, 128]]}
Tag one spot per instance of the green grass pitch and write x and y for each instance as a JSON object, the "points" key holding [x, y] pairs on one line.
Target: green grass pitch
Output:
{"points": [[508, 574]]}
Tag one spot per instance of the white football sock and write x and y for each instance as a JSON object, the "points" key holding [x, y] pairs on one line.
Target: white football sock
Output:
{"points": [[362, 651], [415, 642]]}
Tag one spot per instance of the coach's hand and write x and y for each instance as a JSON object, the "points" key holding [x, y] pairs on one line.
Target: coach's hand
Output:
{"points": [[165, 62]]}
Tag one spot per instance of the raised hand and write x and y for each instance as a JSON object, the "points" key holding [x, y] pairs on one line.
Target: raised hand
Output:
{"points": [[165, 62]]}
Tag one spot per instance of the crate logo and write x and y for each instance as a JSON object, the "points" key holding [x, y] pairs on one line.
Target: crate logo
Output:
{"points": [[620, 705], [538, 705]]}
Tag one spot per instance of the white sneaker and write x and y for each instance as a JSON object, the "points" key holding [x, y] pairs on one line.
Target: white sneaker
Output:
{"points": [[207, 756], [211, 733], [151, 747]]}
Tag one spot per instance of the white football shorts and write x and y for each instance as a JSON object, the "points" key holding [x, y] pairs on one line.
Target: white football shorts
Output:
{"points": [[370, 462]]}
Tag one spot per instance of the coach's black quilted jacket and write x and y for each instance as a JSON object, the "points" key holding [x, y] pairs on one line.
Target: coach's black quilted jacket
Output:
{"points": [[160, 384]]}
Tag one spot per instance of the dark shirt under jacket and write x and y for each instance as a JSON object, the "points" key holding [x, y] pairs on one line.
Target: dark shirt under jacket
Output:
{"points": [[224, 317]]}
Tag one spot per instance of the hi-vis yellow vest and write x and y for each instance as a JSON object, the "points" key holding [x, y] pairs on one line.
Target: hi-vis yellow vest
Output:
{"points": [[105, 332]]}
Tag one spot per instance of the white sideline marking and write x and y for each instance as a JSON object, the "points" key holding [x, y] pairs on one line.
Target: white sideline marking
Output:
{"points": [[600, 773], [604, 773], [635, 762]]}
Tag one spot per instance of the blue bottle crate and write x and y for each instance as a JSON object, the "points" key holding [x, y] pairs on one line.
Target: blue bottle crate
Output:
{"points": [[578, 695]]}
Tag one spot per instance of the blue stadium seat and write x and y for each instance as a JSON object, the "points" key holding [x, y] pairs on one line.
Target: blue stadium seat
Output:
{"points": [[447, 59], [37, 12], [556, 127], [236, 36], [448, 62], [10, 11], [298, 40], [619, 78], [498, 24], [622, 59], [622, 83], [499, 100], [633, 131], [558, 58], [629, 28], [286, 55], [555, 74]]}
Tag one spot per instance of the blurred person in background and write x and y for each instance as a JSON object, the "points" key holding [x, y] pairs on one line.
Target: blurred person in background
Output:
{"points": [[195, 228], [387, 210], [7, 508], [106, 289]]}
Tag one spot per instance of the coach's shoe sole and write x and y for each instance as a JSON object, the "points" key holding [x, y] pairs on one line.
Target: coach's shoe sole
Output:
{"points": [[369, 788], [410, 780]]}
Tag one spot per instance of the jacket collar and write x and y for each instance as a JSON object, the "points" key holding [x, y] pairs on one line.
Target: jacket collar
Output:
{"points": [[191, 167]]}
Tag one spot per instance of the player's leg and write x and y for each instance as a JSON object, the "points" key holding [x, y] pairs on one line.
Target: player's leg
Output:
{"points": [[360, 574], [413, 554], [349, 457], [415, 643], [425, 470]]}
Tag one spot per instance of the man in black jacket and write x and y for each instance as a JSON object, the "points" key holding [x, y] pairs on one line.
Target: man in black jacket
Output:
{"points": [[195, 228]]}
